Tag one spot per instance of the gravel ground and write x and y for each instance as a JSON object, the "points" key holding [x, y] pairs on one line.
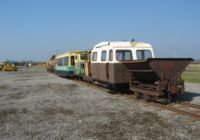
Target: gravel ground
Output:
{"points": [[35, 104], [192, 93]]}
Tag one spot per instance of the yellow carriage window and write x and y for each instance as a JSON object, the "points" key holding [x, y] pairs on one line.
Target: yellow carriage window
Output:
{"points": [[66, 61], [60, 62], [83, 56]]}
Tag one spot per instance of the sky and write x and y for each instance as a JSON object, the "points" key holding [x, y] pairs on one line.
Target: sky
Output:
{"points": [[36, 29]]}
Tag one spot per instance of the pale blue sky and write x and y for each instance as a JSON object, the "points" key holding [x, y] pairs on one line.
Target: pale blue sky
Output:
{"points": [[35, 29]]}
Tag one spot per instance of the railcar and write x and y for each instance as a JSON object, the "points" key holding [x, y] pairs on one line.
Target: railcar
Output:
{"points": [[65, 64], [133, 66], [106, 57]]}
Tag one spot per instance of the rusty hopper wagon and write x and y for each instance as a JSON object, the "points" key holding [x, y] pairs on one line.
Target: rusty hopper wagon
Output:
{"points": [[157, 77]]}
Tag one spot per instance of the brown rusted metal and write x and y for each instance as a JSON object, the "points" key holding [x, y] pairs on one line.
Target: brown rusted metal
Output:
{"points": [[157, 76], [145, 91]]}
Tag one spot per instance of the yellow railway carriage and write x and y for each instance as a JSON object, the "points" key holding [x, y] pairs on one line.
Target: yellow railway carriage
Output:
{"points": [[65, 64]]}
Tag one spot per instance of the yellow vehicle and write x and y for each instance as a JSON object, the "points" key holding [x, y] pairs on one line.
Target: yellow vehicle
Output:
{"points": [[8, 67], [1, 67]]}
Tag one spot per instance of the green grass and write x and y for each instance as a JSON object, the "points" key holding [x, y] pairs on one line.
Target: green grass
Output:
{"points": [[192, 73]]}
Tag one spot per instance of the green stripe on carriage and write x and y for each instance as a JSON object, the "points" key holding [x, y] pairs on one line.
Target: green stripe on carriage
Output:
{"points": [[65, 68]]}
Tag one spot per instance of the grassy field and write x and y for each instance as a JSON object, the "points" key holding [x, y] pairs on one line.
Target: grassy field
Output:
{"points": [[192, 73]]}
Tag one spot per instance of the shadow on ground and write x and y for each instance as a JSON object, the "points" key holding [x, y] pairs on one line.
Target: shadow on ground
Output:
{"points": [[188, 96]]}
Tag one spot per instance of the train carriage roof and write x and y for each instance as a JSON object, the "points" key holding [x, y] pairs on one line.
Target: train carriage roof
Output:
{"points": [[70, 54], [65, 54], [122, 44]]}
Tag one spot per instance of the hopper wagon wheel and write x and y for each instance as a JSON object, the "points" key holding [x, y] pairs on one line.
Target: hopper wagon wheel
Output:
{"points": [[175, 98], [169, 98], [137, 95], [153, 98], [147, 97]]}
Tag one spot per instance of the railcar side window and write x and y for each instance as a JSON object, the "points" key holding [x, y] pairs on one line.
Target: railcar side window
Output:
{"points": [[143, 54], [94, 56], [110, 55], [66, 61], [122, 55], [103, 56]]}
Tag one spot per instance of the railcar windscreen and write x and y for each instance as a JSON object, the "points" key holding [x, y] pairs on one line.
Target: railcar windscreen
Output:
{"points": [[143, 54], [122, 55]]}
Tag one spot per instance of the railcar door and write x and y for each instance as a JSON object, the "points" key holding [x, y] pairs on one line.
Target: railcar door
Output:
{"points": [[88, 64]]}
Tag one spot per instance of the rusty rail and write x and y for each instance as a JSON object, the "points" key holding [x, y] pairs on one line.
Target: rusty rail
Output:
{"points": [[190, 105], [176, 110]]}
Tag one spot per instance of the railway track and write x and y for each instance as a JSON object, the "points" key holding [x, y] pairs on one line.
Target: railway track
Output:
{"points": [[191, 105], [181, 108]]}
